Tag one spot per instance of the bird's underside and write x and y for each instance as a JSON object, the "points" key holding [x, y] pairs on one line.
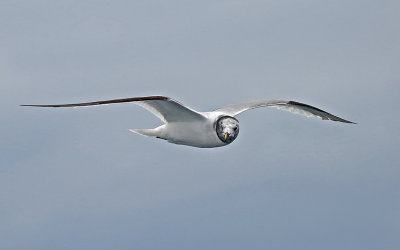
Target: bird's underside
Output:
{"points": [[186, 126]]}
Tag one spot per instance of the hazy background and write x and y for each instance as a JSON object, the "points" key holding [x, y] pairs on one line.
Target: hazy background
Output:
{"points": [[78, 179]]}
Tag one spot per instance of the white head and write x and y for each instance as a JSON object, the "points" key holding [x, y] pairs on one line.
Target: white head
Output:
{"points": [[227, 129]]}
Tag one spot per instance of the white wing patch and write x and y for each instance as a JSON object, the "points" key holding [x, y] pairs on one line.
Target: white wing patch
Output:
{"points": [[295, 110], [170, 110]]}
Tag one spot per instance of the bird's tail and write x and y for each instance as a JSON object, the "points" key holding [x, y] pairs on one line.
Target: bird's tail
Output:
{"points": [[146, 132]]}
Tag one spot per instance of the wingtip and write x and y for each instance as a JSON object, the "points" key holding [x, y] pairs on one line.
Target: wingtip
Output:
{"points": [[31, 105], [338, 119], [349, 122]]}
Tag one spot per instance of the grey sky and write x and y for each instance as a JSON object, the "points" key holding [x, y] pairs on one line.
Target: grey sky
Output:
{"points": [[78, 179]]}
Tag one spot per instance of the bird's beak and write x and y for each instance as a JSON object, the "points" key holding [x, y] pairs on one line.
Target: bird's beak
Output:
{"points": [[226, 135]]}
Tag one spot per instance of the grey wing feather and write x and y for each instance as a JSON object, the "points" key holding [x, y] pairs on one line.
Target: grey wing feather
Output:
{"points": [[165, 108], [292, 106]]}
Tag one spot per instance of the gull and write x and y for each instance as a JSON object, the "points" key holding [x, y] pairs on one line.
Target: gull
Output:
{"points": [[185, 126]]}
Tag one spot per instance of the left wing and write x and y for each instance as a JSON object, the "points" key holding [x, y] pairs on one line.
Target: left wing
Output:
{"points": [[165, 108], [292, 106]]}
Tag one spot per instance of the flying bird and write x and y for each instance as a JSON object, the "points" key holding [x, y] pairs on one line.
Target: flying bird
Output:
{"points": [[185, 126]]}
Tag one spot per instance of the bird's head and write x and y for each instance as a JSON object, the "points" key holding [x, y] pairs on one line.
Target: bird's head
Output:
{"points": [[227, 129]]}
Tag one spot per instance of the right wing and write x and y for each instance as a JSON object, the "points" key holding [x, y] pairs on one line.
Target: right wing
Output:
{"points": [[292, 106], [165, 108]]}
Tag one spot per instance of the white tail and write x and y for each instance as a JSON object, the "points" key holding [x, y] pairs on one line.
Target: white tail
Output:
{"points": [[146, 132], [156, 132]]}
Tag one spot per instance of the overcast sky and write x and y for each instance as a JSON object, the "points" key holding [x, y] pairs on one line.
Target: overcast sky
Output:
{"points": [[78, 179]]}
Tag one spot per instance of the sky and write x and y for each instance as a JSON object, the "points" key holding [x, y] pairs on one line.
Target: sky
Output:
{"points": [[78, 179]]}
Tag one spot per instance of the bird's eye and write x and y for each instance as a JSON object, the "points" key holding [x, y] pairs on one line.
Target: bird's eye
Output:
{"points": [[235, 128]]}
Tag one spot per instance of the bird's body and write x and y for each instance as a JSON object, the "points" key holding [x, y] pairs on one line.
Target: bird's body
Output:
{"points": [[201, 129], [197, 133]]}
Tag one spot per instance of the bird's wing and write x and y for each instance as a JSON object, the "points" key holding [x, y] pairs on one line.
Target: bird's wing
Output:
{"points": [[165, 108], [292, 106]]}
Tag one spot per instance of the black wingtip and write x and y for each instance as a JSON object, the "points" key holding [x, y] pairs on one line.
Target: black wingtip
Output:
{"points": [[345, 121], [31, 105]]}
